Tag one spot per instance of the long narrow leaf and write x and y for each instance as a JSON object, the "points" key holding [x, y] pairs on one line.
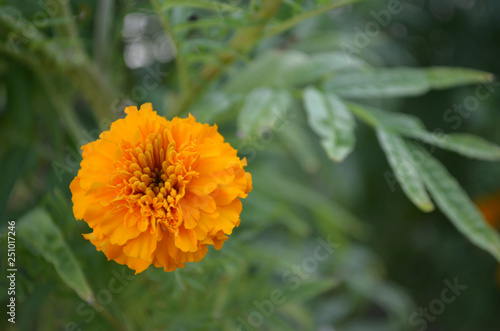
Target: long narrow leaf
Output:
{"points": [[410, 126], [399, 158], [402, 81], [465, 144], [379, 83], [443, 78], [455, 204], [38, 231]]}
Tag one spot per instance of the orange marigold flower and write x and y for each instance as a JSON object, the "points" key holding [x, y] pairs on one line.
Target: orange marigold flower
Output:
{"points": [[159, 191]]}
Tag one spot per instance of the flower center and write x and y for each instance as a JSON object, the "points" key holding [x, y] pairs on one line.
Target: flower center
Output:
{"points": [[151, 179]]}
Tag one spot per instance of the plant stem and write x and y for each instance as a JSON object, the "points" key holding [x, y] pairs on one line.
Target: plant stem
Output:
{"points": [[102, 31], [68, 29]]}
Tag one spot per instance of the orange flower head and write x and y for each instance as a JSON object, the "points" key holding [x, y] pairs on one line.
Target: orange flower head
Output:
{"points": [[159, 191]]}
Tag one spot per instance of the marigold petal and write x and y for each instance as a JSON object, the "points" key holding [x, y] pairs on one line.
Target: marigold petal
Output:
{"points": [[195, 256], [190, 213], [141, 247], [112, 225], [162, 257], [79, 199], [185, 240], [229, 216], [133, 263]]}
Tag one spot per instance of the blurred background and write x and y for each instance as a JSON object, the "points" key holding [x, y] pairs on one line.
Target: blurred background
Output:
{"points": [[67, 72]]}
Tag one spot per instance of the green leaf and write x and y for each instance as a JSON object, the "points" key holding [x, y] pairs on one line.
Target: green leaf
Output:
{"points": [[289, 68], [315, 67], [410, 126], [399, 158], [201, 4], [330, 118], [379, 83], [262, 109], [455, 204], [263, 71], [465, 144], [443, 78], [390, 120], [38, 231], [401, 81]]}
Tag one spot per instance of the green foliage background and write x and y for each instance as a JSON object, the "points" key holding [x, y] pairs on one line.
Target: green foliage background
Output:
{"points": [[291, 96]]}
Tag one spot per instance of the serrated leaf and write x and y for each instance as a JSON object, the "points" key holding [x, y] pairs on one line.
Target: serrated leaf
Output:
{"points": [[455, 204], [262, 108], [410, 126], [38, 231], [400, 160], [330, 118], [202, 4], [401, 81]]}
